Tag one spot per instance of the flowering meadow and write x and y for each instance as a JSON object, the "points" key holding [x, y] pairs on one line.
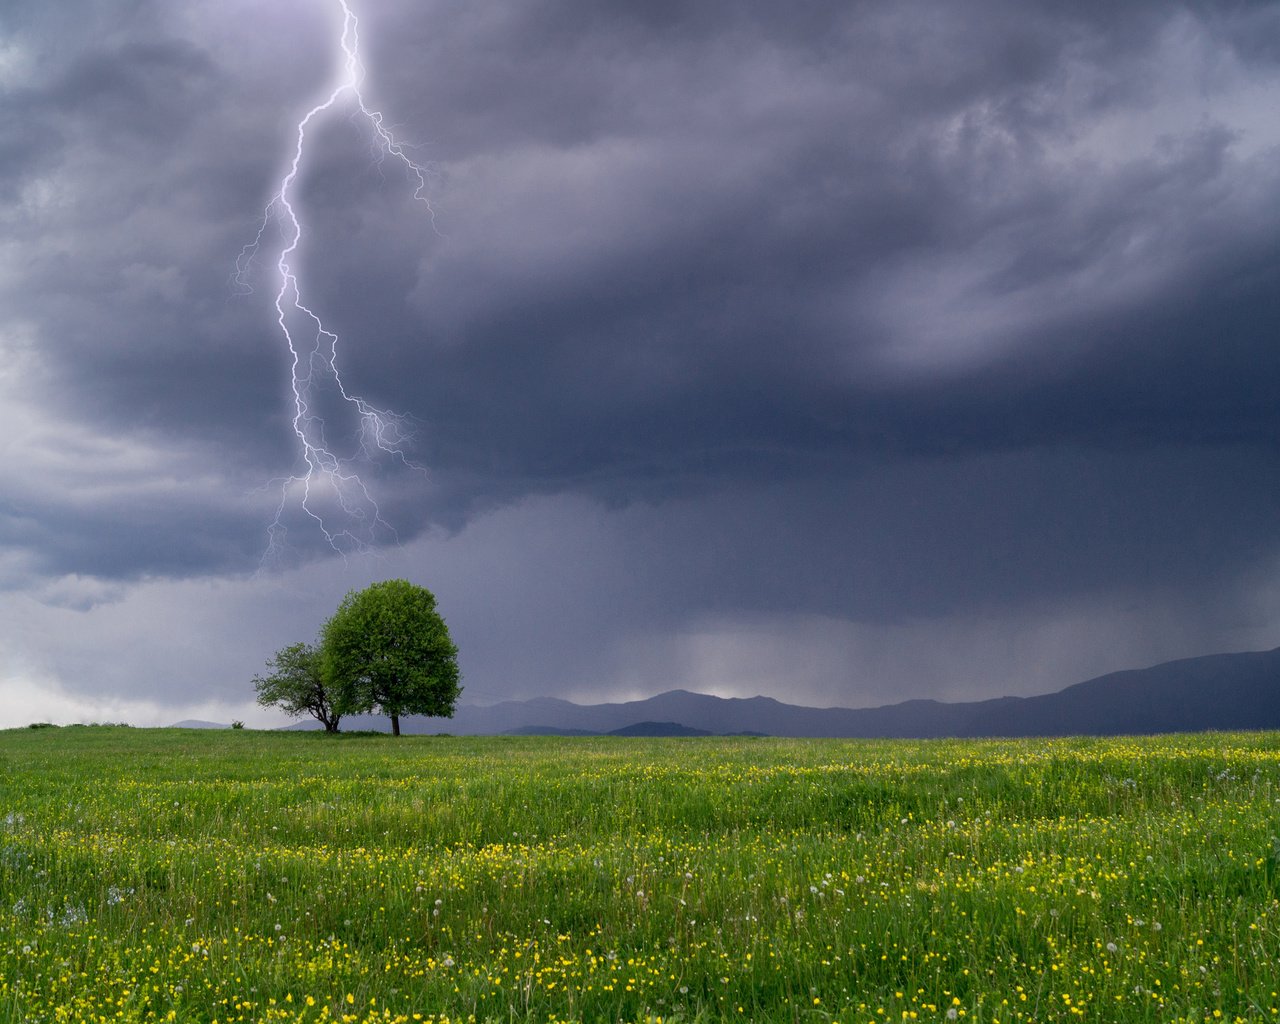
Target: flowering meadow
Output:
{"points": [[174, 875]]}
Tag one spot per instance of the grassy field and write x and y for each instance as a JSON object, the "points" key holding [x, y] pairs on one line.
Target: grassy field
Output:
{"points": [[241, 876]]}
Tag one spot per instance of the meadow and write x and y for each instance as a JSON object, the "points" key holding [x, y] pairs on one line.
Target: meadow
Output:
{"points": [[172, 875]]}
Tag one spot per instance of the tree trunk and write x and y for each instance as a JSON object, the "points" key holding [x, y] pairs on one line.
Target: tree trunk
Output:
{"points": [[395, 725]]}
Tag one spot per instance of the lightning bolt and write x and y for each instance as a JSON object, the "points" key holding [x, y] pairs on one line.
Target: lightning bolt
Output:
{"points": [[325, 480]]}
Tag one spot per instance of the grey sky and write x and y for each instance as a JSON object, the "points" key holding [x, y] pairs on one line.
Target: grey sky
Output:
{"points": [[840, 352]]}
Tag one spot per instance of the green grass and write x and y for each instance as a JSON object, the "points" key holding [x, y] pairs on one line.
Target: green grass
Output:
{"points": [[244, 876]]}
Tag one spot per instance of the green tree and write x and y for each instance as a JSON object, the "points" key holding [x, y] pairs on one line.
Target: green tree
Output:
{"points": [[387, 649], [297, 685]]}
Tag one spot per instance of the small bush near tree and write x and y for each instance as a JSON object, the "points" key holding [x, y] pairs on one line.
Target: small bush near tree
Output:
{"points": [[297, 686]]}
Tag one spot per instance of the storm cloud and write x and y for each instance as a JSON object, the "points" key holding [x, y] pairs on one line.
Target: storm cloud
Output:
{"points": [[843, 352]]}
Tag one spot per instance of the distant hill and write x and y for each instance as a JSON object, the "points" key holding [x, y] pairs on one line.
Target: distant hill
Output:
{"points": [[548, 730], [1221, 691], [196, 723], [658, 729]]}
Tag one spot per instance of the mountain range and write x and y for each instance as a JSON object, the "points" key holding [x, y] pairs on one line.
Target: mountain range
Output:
{"points": [[1221, 691]]}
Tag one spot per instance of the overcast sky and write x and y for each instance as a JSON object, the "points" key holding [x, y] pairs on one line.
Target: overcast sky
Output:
{"points": [[840, 352]]}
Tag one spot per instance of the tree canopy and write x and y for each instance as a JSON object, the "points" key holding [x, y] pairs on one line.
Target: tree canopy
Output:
{"points": [[297, 685], [387, 650]]}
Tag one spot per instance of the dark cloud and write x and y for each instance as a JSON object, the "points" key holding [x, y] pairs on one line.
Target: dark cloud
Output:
{"points": [[873, 312]]}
